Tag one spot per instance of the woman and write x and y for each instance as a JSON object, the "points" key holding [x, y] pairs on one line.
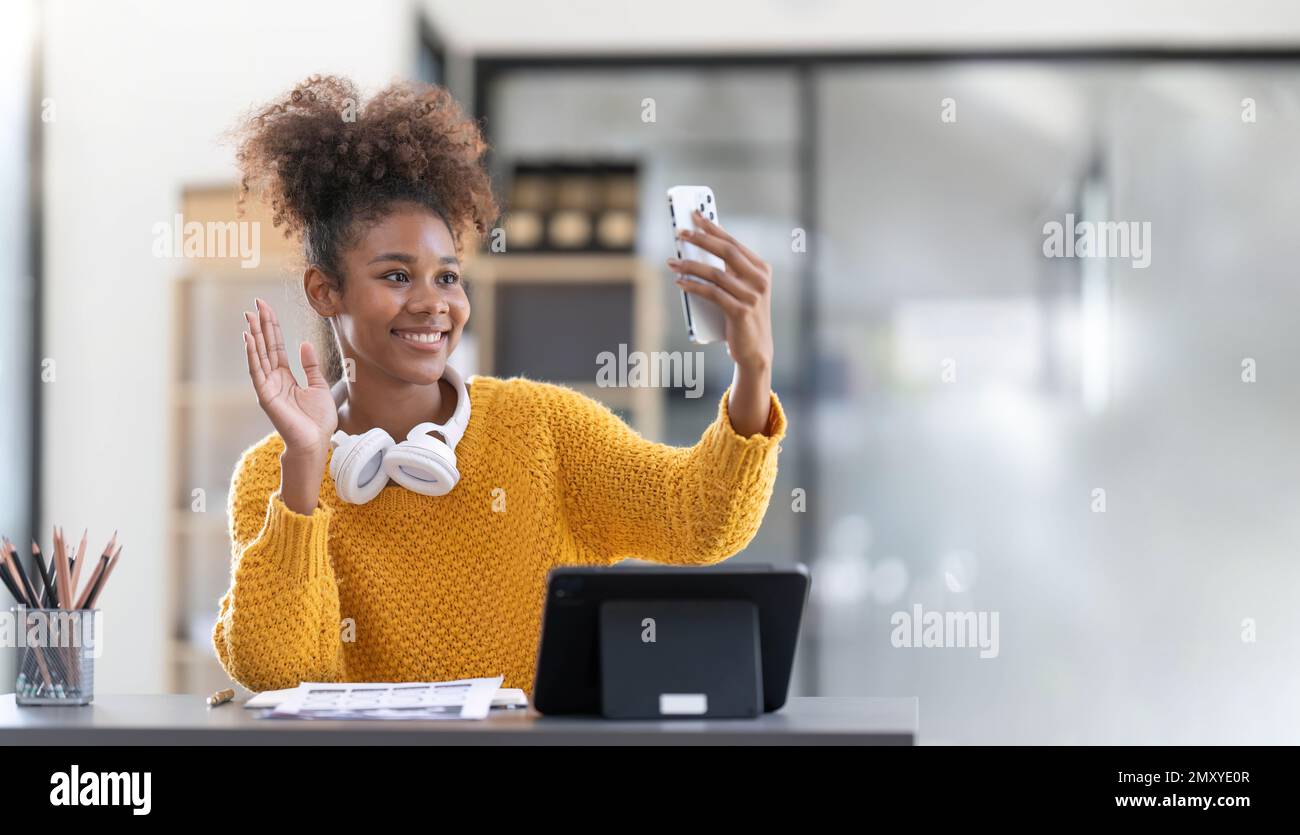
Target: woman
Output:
{"points": [[416, 587]]}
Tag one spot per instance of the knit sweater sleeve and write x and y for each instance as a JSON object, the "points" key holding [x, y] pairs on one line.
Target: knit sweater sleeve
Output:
{"points": [[279, 621], [625, 496]]}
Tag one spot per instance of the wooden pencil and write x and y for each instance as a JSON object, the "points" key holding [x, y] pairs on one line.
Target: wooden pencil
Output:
{"points": [[107, 554], [76, 562], [47, 577], [8, 581], [20, 579], [92, 580], [61, 568], [103, 579]]}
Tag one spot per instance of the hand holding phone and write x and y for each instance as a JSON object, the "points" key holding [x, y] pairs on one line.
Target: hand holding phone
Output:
{"points": [[705, 321]]}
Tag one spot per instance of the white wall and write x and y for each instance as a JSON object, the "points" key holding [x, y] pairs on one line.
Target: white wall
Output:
{"points": [[143, 90]]}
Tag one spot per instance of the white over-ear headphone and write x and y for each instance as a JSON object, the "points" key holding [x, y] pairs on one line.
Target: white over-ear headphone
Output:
{"points": [[361, 465]]}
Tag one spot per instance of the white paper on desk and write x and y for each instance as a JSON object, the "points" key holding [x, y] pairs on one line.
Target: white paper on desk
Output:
{"points": [[269, 698], [506, 697], [469, 698]]}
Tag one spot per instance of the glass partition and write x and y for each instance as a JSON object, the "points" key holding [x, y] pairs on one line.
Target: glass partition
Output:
{"points": [[1051, 345]]}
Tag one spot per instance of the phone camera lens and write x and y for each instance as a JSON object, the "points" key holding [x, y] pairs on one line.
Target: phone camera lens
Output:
{"points": [[708, 197]]}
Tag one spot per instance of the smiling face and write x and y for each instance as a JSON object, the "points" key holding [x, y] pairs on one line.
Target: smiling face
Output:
{"points": [[403, 305]]}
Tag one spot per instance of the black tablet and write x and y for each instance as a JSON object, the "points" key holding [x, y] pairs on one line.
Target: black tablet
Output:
{"points": [[722, 602]]}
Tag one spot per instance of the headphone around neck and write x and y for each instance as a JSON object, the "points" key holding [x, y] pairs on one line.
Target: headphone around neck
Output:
{"points": [[362, 465]]}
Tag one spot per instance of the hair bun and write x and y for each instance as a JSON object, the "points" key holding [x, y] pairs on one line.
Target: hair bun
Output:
{"points": [[324, 158]]}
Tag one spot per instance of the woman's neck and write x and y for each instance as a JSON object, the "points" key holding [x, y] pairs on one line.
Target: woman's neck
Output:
{"points": [[394, 406]]}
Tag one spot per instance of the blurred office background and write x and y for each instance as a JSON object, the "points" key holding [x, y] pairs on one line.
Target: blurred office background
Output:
{"points": [[1165, 618]]}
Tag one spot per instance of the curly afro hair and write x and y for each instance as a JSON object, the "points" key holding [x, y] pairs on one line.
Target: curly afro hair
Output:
{"points": [[326, 162]]}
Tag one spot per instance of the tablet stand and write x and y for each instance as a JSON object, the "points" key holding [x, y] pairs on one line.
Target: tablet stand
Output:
{"points": [[680, 659]]}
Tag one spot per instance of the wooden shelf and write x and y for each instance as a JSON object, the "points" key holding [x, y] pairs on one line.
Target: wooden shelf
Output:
{"points": [[199, 524], [583, 268], [215, 394]]}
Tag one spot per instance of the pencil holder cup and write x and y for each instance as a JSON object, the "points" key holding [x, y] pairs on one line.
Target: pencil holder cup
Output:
{"points": [[56, 655]]}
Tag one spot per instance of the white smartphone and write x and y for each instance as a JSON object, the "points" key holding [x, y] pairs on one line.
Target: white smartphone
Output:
{"points": [[705, 321]]}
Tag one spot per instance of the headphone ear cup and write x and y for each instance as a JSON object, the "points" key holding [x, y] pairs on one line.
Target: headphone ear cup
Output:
{"points": [[357, 465], [423, 464]]}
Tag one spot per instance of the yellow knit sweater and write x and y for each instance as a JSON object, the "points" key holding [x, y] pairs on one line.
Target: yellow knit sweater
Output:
{"points": [[420, 588]]}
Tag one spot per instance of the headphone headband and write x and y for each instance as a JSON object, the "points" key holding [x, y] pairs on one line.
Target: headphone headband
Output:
{"points": [[455, 426]]}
